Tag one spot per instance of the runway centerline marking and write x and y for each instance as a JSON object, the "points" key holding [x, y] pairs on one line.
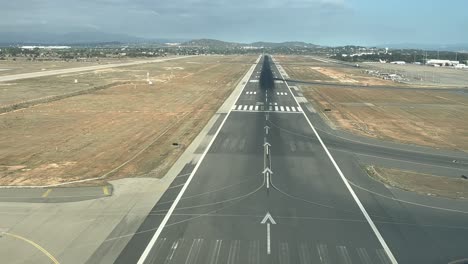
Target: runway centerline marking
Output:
{"points": [[350, 189], [268, 219]]}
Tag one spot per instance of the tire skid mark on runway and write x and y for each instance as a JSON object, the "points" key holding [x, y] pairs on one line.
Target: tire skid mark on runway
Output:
{"points": [[407, 202], [236, 94], [398, 160], [350, 189], [224, 207], [215, 203], [380, 146], [209, 192], [362, 154], [319, 204], [197, 216], [292, 132]]}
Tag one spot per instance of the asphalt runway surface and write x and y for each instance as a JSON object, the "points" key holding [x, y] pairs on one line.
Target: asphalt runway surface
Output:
{"points": [[268, 190]]}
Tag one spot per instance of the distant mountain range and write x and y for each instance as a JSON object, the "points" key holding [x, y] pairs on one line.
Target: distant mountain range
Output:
{"points": [[461, 47], [79, 38], [75, 38], [223, 44], [96, 37]]}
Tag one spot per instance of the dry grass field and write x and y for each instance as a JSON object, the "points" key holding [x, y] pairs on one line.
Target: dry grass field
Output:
{"points": [[435, 119], [425, 184], [306, 68], [429, 118], [22, 65], [89, 135]]}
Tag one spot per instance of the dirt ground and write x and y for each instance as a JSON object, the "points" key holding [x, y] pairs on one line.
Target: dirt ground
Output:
{"points": [[428, 118], [90, 135], [425, 75], [425, 184], [22, 65], [306, 68], [435, 119]]}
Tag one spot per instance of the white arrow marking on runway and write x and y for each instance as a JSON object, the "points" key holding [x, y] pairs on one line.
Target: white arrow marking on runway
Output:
{"points": [[268, 219], [267, 172], [266, 129]]}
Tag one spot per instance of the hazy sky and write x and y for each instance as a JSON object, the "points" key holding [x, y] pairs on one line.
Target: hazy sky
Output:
{"points": [[326, 22]]}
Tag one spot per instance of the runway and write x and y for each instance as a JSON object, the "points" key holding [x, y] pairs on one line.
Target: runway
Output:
{"points": [[21, 76], [275, 185]]}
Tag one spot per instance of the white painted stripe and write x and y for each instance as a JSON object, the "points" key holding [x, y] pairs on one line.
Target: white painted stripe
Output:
{"points": [[299, 109], [215, 253], [255, 92], [382, 256], [362, 253], [323, 253], [251, 107], [276, 103], [243, 107], [282, 108], [287, 108], [343, 254], [194, 251], [234, 107], [277, 93], [293, 109], [172, 251], [233, 256], [256, 108], [304, 254], [268, 239], [150, 245], [283, 253], [351, 191], [254, 252], [276, 108]]}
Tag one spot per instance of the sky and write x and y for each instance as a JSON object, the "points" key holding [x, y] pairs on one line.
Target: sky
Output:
{"points": [[324, 22]]}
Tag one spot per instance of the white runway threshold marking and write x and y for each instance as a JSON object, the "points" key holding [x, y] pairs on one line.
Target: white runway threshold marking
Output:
{"points": [[150, 245], [351, 191]]}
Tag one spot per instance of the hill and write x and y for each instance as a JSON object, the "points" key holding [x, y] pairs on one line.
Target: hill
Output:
{"points": [[213, 43]]}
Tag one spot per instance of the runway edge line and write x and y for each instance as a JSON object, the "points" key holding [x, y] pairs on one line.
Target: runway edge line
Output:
{"points": [[353, 194], [181, 193]]}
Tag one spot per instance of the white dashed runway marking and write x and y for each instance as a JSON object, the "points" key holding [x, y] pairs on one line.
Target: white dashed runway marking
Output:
{"points": [[267, 108]]}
